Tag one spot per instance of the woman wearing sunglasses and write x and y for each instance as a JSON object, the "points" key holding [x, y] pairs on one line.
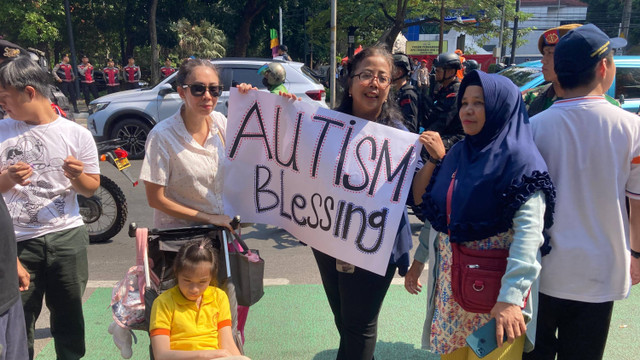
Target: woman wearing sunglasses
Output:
{"points": [[182, 168], [355, 295]]}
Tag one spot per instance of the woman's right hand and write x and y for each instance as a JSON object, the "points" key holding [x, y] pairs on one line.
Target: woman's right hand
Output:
{"points": [[412, 278], [244, 88], [432, 142]]}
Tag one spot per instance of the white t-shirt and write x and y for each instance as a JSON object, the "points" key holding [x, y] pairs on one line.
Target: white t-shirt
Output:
{"points": [[190, 173], [48, 204], [592, 149]]}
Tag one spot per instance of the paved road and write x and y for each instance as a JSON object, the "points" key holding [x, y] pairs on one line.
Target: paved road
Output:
{"points": [[286, 260]]}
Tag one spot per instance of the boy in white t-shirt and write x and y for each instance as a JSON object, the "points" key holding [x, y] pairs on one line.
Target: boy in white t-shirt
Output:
{"points": [[45, 160], [592, 149]]}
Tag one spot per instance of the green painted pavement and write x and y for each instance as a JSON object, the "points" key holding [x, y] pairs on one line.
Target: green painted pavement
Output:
{"points": [[294, 322]]}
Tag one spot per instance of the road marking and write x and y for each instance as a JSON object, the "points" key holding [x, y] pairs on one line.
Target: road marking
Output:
{"points": [[112, 283], [276, 281]]}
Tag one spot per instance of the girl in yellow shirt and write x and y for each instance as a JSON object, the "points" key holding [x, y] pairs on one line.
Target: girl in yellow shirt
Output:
{"points": [[192, 320]]}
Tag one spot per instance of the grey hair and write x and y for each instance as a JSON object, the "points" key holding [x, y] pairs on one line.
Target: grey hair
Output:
{"points": [[187, 66], [21, 72]]}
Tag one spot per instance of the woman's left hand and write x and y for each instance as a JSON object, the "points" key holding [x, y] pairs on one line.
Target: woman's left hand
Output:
{"points": [[509, 321], [244, 88], [289, 96]]}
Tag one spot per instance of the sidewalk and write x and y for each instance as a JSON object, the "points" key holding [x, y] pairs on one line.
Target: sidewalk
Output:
{"points": [[294, 322]]}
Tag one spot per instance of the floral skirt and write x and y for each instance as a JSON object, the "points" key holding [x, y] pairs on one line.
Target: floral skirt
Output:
{"points": [[451, 323]]}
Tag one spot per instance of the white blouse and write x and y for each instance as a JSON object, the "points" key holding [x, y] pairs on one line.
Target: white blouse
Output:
{"points": [[190, 173]]}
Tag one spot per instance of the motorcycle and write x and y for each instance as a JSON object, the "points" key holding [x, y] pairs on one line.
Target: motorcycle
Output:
{"points": [[105, 213]]}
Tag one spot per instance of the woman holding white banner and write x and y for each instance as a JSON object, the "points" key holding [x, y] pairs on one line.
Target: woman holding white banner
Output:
{"points": [[489, 198], [356, 295], [182, 168]]}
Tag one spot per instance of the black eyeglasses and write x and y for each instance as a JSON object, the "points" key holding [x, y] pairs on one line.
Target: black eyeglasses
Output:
{"points": [[199, 89], [366, 77]]}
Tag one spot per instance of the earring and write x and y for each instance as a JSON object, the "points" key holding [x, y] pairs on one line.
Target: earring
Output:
{"points": [[349, 94]]}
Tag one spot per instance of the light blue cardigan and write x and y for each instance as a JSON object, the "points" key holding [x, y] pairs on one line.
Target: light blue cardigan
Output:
{"points": [[523, 266]]}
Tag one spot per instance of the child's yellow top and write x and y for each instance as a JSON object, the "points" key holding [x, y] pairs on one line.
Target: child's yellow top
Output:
{"points": [[188, 327]]}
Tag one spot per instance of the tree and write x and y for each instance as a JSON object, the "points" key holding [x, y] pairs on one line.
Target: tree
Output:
{"points": [[32, 23], [204, 40], [153, 39], [380, 21]]}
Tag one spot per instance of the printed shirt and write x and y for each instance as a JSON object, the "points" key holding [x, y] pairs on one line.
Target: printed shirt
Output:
{"points": [[48, 204], [189, 327], [190, 173], [592, 149]]}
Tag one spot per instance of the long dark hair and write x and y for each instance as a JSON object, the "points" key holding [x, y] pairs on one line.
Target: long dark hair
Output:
{"points": [[193, 253], [390, 114]]}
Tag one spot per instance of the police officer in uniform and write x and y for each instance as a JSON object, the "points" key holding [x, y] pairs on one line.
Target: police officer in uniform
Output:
{"points": [[167, 69], [87, 81], [111, 77], [542, 97], [441, 109], [405, 93], [63, 73], [131, 74]]}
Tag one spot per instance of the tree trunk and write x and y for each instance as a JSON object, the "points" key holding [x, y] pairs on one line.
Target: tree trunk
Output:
{"points": [[153, 38], [390, 36], [243, 36]]}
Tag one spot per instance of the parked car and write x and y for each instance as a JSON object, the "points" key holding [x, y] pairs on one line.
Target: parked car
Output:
{"points": [[131, 114], [625, 87]]}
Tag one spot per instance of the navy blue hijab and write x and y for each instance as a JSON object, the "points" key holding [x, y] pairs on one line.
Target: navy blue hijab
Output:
{"points": [[497, 170]]}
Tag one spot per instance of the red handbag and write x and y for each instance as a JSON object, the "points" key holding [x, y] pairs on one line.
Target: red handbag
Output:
{"points": [[476, 275]]}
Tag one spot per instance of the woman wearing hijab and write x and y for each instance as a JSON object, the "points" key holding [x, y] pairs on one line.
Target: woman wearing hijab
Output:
{"points": [[491, 191]]}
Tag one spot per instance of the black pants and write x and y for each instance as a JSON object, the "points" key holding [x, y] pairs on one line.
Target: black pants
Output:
{"points": [[112, 89], [582, 329], [131, 85], [57, 263], [69, 90], [355, 301], [89, 88]]}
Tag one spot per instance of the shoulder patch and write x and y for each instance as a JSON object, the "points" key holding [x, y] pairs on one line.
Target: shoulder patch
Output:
{"points": [[452, 95], [404, 102]]}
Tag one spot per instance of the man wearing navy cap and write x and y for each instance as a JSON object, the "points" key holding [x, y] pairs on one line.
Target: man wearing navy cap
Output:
{"points": [[592, 149]]}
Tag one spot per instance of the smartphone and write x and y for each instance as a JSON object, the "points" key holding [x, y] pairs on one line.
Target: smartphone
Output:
{"points": [[483, 341]]}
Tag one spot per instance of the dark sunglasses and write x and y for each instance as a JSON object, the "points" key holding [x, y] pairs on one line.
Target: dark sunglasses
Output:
{"points": [[199, 89]]}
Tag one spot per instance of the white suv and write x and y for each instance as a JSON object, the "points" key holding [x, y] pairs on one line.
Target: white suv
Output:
{"points": [[131, 114]]}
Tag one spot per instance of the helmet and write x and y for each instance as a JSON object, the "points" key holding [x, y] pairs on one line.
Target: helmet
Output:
{"points": [[274, 73], [470, 65], [401, 61], [448, 61]]}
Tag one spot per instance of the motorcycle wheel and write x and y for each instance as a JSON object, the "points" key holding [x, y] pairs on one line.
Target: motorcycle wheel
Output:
{"points": [[105, 213]]}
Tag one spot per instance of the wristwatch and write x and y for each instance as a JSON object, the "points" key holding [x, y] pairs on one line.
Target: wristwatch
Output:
{"points": [[434, 161], [635, 254]]}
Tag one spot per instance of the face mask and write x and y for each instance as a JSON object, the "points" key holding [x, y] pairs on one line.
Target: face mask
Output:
{"points": [[265, 82]]}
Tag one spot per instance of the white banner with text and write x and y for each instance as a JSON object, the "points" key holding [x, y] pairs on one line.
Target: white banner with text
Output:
{"points": [[336, 182]]}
